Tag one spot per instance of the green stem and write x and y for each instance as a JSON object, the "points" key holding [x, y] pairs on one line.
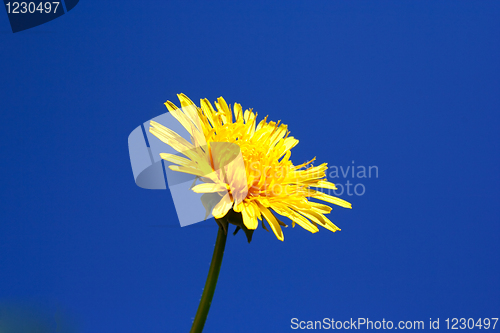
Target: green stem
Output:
{"points": [[213, 275]]}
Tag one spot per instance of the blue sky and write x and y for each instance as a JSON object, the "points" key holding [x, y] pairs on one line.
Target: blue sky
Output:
{"points": [[409, 87]]}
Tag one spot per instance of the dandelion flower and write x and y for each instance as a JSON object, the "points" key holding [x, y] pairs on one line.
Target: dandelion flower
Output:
{"points": [[265, 184]]}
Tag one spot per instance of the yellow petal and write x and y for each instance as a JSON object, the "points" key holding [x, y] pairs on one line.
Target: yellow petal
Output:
{"points": [[320, 219], [289, 143], [192, 171], [238, 113], [170, 106], [249, 218], [209, 188], [190, 109], [170, 137], [320, 208], [282, 209], [273, 223], [325, 184], [221, 209], [330, 199], [222, 106], [176, 159], [208, 111]]}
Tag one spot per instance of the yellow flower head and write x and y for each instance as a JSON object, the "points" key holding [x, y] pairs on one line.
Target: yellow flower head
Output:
{"points": [[246, 166]]}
